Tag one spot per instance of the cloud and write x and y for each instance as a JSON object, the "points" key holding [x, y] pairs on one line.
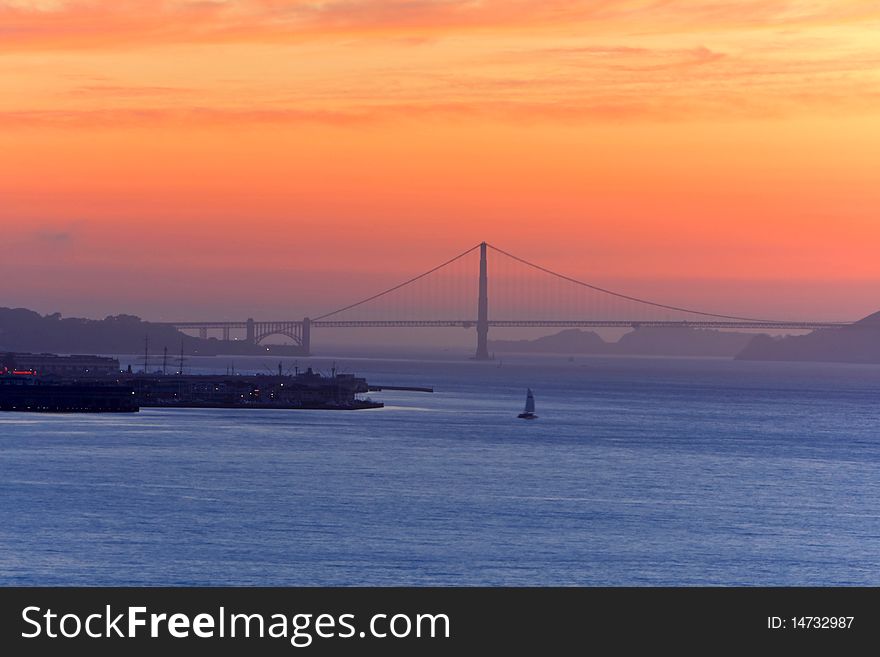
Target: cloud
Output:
{"points": [[35, 5], [59, 239], [193, 116], [561, 84], [54, 236], [347, 62], [627, 58], [127, 91], [605, 107], [123, 23]]}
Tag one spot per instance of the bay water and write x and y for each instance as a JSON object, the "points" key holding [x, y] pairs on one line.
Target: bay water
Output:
{"points": [[638, 472]]}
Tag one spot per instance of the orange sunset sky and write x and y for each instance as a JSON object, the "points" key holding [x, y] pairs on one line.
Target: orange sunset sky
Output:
{"points": [[230, 158]]}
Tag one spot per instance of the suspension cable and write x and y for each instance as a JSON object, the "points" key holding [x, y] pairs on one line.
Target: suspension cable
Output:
{"points": [[623, 296], [396, 287]]}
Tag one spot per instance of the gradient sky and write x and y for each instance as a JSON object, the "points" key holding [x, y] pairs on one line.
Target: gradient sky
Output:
{"points": [[219, 159]]}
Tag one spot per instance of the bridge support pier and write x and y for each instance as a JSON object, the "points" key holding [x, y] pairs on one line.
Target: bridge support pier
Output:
{"points": [[306, 337], [483, 309], [203, 333], [251, 333]]}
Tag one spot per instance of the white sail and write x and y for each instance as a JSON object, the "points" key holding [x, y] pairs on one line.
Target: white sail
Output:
{"points": [[530, 402]]}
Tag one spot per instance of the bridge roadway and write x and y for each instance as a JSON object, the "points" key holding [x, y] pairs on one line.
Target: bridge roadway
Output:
{"points": [[567, 323], [517, 323]]}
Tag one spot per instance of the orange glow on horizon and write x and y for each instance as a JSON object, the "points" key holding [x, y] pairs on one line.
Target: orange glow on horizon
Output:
{"points": [[259, 157]]}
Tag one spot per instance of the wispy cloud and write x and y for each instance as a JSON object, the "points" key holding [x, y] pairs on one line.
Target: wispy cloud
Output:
{"points": [[54, 237], [608, 107], [348, 61], [92, 24], [128, 91]]}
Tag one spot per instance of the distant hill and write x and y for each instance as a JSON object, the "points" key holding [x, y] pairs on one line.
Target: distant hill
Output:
{"points": [[26, 330], [569, 341], [682, 342], [643, 341], [859, 343]]}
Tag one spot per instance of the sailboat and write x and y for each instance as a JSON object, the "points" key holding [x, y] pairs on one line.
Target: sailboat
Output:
{"points": [[529, 412]]}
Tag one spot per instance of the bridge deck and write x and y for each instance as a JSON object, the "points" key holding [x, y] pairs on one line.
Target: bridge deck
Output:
{"points": [[300, 330], [537, 323]]}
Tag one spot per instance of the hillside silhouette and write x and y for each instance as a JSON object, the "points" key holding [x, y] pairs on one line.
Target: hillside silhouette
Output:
{"points": [[25, 330], [858, 343], [642, 341]]}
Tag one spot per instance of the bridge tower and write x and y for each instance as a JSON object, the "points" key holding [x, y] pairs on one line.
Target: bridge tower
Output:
{"points": [[251, 335], [306, 335], [483, 309]]}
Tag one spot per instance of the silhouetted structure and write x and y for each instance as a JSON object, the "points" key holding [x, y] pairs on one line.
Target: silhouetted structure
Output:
{"points": [[639, 313], [23, 330], [25, 392], [306, 390], [65, 366], [483, 308]]}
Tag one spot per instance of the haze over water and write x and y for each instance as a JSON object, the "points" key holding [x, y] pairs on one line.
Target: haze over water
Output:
{"points": [[638, 472]]}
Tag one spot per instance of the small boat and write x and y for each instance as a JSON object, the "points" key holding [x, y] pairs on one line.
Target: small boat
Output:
{"points": [[529, 412]]}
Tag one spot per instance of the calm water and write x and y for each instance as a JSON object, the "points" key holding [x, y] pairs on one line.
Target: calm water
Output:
{"points": [[638, 472]]}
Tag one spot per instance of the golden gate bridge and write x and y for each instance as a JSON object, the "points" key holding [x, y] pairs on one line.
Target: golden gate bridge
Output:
{"points": [[448, 296]]}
